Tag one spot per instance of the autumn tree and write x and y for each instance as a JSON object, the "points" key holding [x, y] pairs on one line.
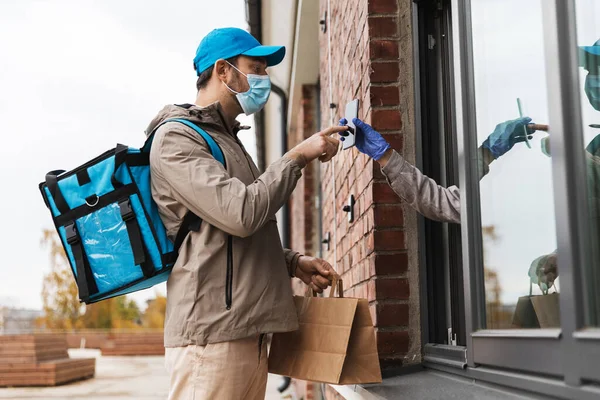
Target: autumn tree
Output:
{"points": [[154, 316], [62, 309], [496, 315], [116, 313]]}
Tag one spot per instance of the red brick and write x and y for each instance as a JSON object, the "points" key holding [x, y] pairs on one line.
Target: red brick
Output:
{"points": [[388, 264], [386, 119], [384, 72], [383, 27], [389, 314], [384, 49], [384, 95], [360, 291], [363, 180], [389, 240], [395, 140], [378, 173], [388, 216], [393, 289], [382, 6], [356, 278], [367, 224], [383, 193], [392, 343]]}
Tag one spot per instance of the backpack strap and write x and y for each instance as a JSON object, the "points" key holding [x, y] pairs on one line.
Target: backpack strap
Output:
{"points": [[215, 150], [86, 284], [191, 222]]}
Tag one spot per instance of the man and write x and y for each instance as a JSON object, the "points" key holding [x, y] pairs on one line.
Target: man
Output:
{"points": [[230, 285]]}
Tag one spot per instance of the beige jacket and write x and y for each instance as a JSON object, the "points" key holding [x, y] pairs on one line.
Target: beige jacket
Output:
{"points": [[422, 193], [232, 278]]}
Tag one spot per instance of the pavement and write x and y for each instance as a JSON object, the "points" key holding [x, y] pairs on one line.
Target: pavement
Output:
{"points": [[127, 378]]}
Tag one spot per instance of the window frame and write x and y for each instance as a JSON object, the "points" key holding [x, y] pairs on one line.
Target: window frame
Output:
{"points": [[571, 353], [580, 345]]}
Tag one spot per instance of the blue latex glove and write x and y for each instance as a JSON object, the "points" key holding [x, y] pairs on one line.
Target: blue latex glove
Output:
{"points": [[368, 141], [506, 135]]}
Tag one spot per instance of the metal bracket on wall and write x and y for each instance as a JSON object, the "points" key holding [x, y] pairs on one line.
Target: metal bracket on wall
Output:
{"points": [[327, 240], [349, 208], [323, 22]]}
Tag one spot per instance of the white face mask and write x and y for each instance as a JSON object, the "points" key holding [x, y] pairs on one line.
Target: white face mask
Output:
{"points": [[256, 97]]}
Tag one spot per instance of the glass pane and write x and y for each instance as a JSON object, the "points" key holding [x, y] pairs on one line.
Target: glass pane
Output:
{"points": [[588, 38], [517, 207]]}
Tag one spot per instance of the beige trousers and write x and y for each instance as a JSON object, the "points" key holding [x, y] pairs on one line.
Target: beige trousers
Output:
{"points": [[235, 370]]}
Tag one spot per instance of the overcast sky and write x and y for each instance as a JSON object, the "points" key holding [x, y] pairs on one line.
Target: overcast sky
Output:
{"points": [[77, 77]]}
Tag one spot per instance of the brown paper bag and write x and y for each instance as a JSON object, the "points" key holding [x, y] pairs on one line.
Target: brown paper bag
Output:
{"points": [[538, 311], [335, 343]]}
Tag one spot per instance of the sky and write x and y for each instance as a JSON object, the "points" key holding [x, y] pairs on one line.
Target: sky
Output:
{"points": [[76, 78], [517, 194]]}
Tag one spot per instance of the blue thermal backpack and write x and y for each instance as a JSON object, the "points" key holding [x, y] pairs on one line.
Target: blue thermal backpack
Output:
{"points": [[109, 224]]}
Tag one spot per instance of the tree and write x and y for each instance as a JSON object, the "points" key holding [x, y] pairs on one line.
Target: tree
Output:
{"points": [[115, 313], [154, 317], [62, 309], [496, 315]]}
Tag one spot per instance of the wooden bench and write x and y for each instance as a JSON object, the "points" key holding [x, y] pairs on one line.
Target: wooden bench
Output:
{"points": [[134, 344], [40, 360]]}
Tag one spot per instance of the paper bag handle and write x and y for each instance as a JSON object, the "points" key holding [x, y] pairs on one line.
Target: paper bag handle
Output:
{"points": [[336, 283]]}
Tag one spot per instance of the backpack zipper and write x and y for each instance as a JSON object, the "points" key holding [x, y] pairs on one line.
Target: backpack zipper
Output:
{"points": [[229, 277]]}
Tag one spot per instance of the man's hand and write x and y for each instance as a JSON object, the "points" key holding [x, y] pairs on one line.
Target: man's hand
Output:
{"points": [[315, 272], [320, 145]]}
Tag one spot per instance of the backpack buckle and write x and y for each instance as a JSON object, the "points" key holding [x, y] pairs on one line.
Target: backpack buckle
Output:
{"points": [[126, 211], [71, 233]]}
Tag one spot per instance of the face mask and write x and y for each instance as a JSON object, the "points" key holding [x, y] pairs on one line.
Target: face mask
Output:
{"points": [[592, 90], [256, 97]]}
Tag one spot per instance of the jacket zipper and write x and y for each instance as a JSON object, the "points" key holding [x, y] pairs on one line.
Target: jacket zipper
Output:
{"points": [[229, 277]]}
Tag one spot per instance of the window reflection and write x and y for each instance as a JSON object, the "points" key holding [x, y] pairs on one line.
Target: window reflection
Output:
{"points": [[588, 36], [517, 208]]}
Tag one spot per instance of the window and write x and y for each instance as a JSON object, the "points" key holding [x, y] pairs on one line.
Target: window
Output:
{"points": [[516, 194], [535, 212], [588, 40]]}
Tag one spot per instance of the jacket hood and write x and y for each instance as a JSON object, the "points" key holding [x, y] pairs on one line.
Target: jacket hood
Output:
{"points": [[209, 116]]}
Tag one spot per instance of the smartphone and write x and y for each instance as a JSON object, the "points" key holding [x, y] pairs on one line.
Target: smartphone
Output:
{"points": [[351, 113]]}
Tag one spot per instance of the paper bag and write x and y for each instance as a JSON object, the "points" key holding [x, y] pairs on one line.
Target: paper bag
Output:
{"points": [[540, 311], [335, 343]]}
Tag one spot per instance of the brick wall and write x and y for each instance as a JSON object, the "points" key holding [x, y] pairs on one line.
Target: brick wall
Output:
{"points": [[371, 54], [302, 204]]}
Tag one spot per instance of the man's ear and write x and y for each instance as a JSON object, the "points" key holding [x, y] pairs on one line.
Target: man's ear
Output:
{"points": [[221, 69]]}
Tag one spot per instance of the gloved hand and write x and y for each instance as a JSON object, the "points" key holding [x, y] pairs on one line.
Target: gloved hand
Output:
{"points": [[543, 272], [506, 135], [368, 140]]}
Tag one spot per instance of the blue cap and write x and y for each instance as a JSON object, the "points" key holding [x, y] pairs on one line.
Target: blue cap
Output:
{"points": [[589, 56], [225, 43], [593, 50]]}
